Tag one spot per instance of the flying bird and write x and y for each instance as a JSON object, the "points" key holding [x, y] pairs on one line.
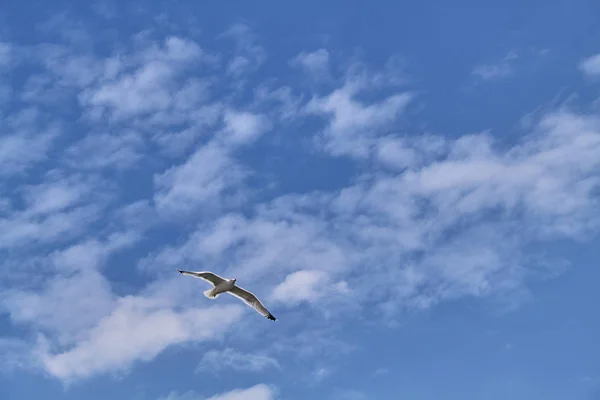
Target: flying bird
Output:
{"points": [[222, 285]]}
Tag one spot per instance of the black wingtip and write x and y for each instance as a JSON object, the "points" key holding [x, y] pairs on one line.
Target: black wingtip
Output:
{"points": [[271, 317], [180, 271]]}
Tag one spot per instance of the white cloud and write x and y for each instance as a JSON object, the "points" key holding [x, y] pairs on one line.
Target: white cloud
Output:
{"points": [[306, 285], [591, 65], [469, 186], [429, 218], [152, 84], [25, 141], [353, 127], [51, 198], [65, 307], [20, 230], [137, 329], [215, 361], [104, 150], [257, 392], [69, 303], [201, 180], [316, 62], [93, 253], [242, 127], [320, 374], [59, 193], [394, 153], [492, 71], [257, 247], [200, 120], [55, 210], [249, 55], [496, 70]]}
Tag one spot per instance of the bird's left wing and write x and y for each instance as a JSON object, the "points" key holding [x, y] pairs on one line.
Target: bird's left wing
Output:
{"points": [[205, 275], [250, 299]]}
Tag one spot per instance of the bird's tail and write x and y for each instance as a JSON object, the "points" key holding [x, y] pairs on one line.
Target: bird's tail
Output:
{"points": [[210, 293]]}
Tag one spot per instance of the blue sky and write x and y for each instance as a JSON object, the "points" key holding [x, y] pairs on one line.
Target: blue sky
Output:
{"points": [[411, 189]]}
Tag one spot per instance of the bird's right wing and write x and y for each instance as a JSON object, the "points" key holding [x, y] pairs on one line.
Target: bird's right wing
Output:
{"points": [[250, 299], [205, 275]]}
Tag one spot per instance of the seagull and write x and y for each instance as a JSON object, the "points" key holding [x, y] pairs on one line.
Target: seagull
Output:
{"points": [[222, 285]]}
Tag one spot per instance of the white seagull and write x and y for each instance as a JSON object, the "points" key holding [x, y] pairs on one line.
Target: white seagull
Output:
{"points": [[222, 285]]}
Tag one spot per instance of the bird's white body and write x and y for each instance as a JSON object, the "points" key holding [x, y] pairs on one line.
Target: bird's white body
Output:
{"points": [[221, 285], [220, 288]]}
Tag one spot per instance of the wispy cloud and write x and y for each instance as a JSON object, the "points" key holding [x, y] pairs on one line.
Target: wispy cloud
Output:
{"points": [[199, 182], [591, 66], [137, 329], [215, 361], [106, 151], [315, 63], [353, 127], [249, 54], [165, 139], [496, 70], [257, 392], [243, 127], [27, 138], [150, 86], [306, 285]]}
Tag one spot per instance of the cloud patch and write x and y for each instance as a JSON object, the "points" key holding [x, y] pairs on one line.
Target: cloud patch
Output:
{"points": [[256, 392], [591, 66], [138, 328], [215, 361], [306, 285]]}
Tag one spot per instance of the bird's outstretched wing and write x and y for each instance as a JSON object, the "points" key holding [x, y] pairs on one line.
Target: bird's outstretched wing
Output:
{"points": [[205, 275], [250, 299]]}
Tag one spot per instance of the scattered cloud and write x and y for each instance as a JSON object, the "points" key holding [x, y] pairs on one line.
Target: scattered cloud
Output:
{"points": [[27, 138], [137, 329], [591, 66], [496, 70], [306, 285], [66, 306], [150, 86], [106, 151], [315, 63], [320, 374], [149, 149], [249, 54], [217, 360], [257, 392], [353, 127], [243, 127], [201, 181]]}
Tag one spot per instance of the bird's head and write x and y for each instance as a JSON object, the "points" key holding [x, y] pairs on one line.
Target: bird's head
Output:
{"points": [[233, 280]]}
